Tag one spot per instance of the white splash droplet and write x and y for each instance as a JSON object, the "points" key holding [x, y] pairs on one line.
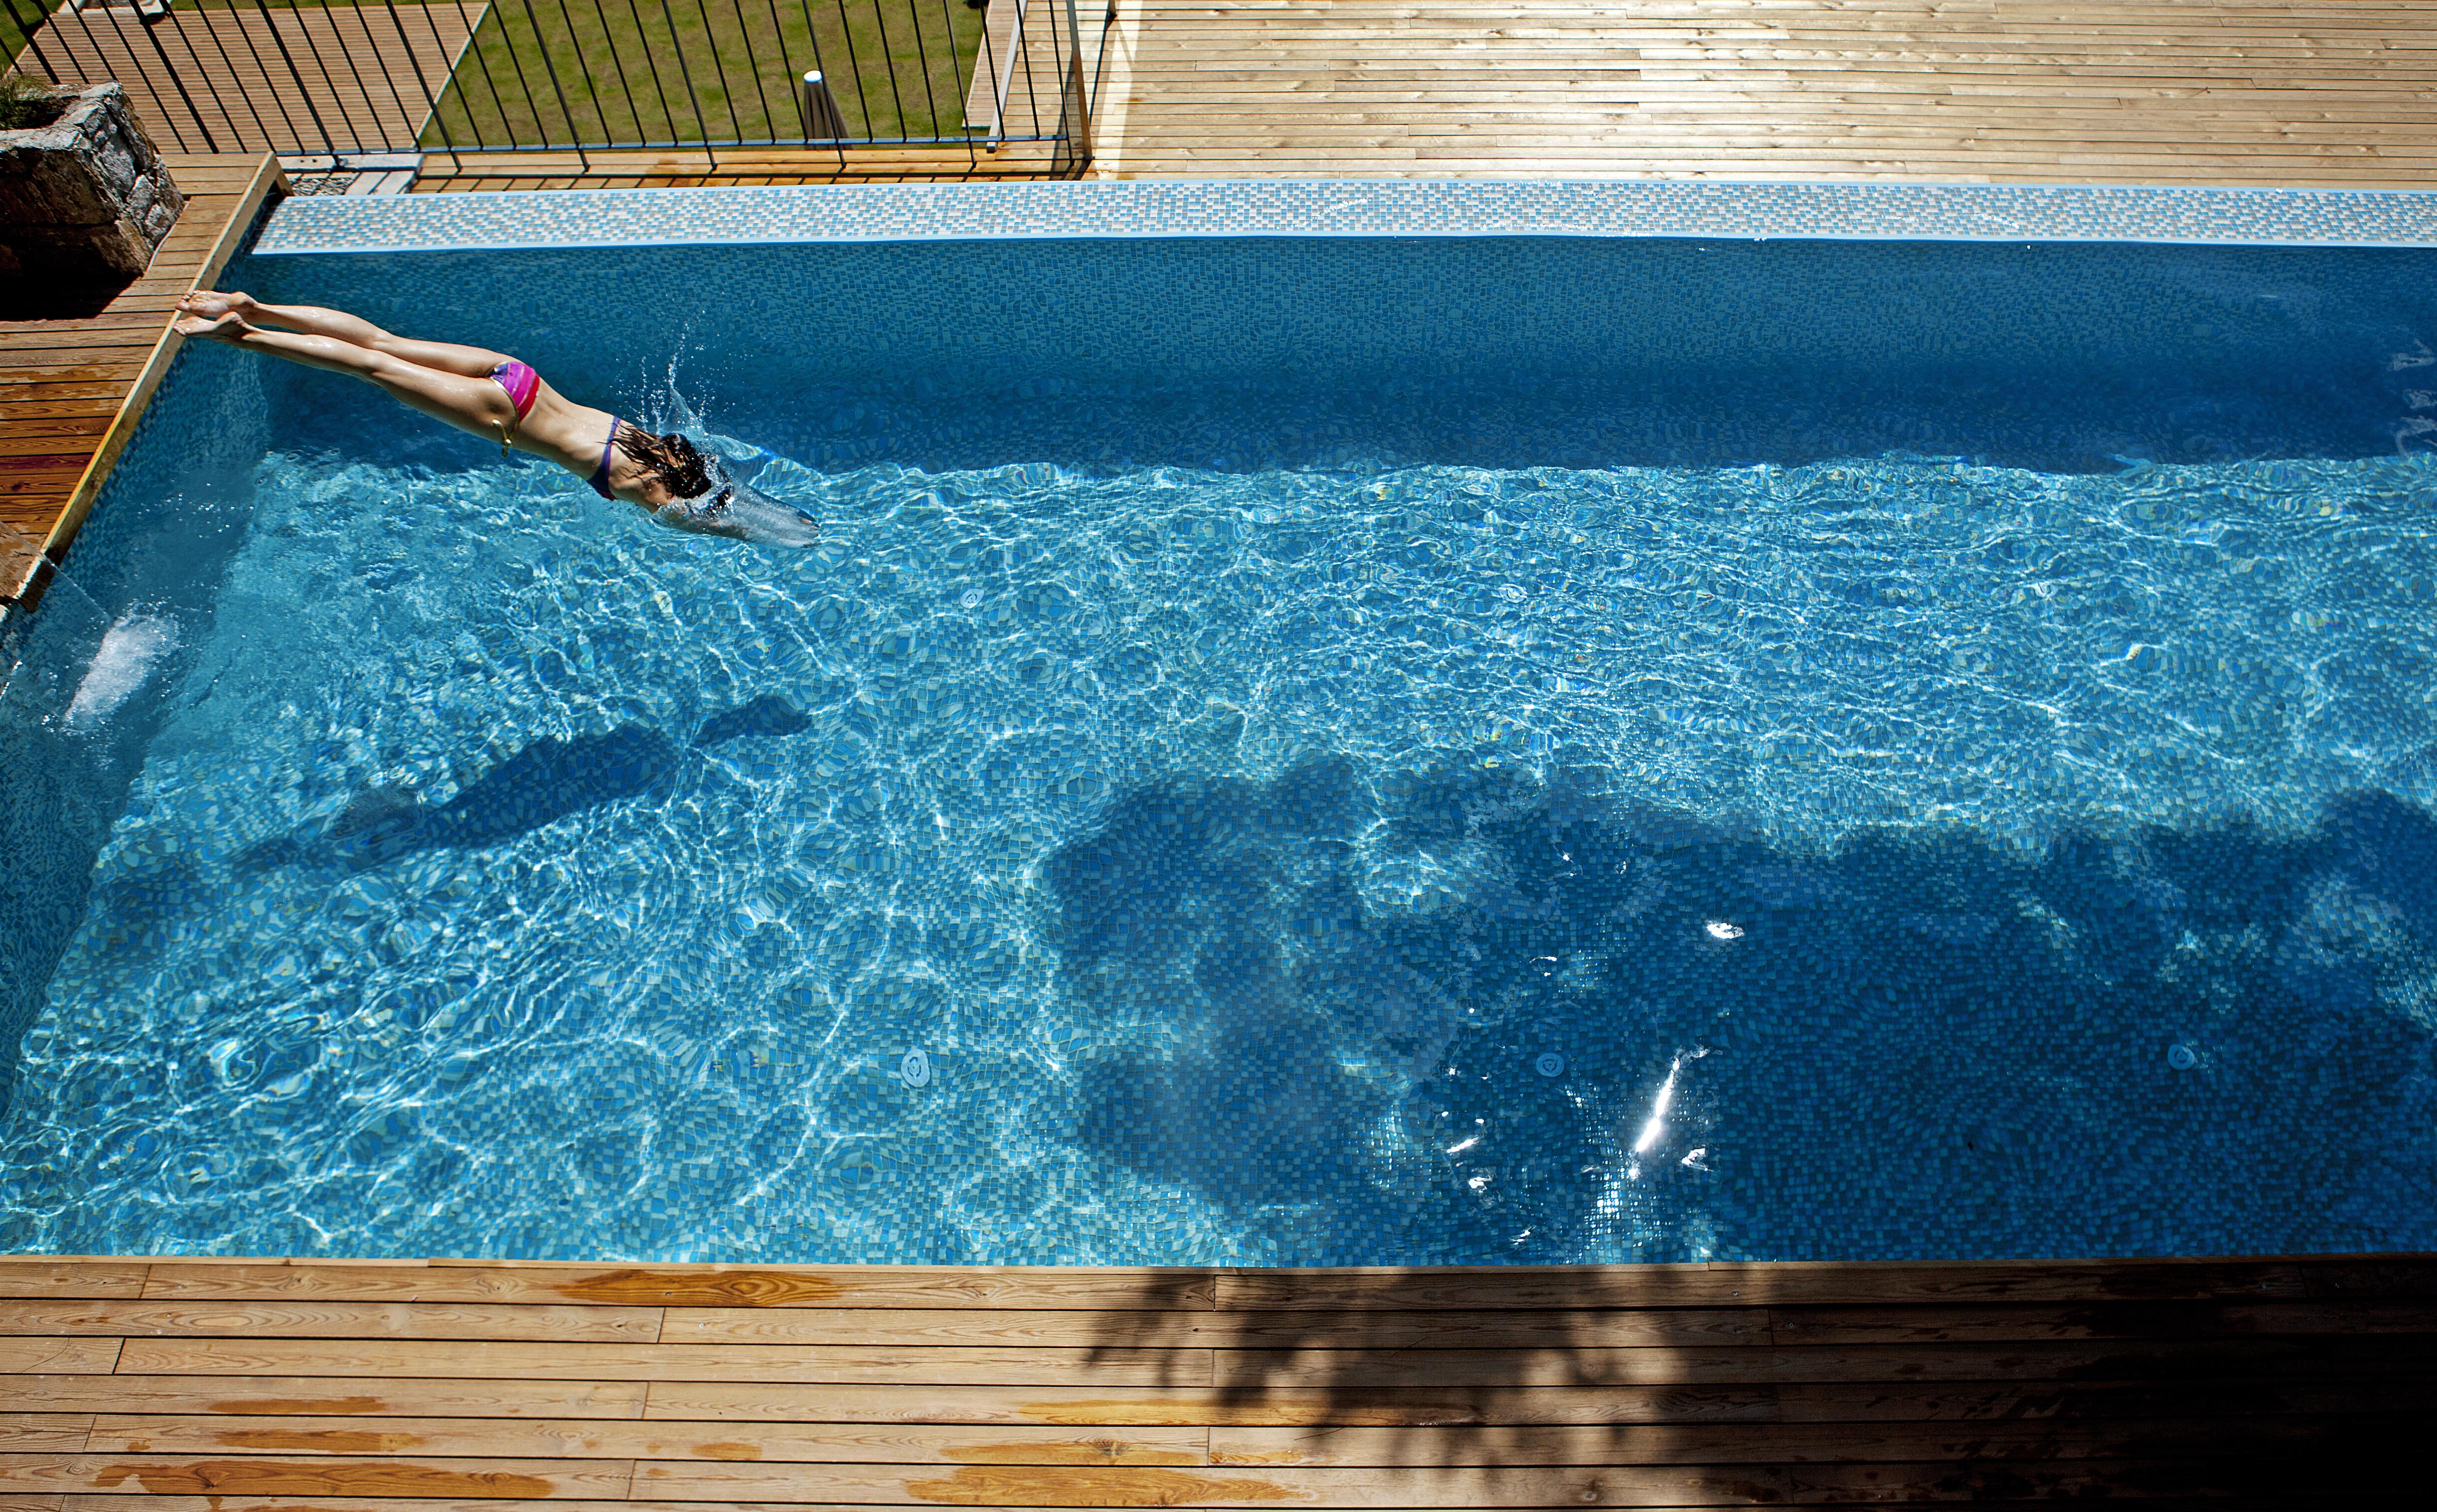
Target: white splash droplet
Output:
{"points": [[132, 645]]}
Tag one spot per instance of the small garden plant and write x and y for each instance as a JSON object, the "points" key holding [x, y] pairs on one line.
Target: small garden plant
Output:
{"points": [[27, 103]]}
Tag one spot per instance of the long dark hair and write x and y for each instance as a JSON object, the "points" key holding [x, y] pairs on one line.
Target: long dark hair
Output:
{"points": [[672, 458]]}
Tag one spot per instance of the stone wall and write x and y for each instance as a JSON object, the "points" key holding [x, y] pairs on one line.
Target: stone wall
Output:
{"points": [[84, 199]]}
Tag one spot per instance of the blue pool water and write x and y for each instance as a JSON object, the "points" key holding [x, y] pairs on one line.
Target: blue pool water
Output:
{"points": [[1332, 753]]}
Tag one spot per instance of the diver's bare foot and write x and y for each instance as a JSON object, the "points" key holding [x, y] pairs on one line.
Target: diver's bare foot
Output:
{"points": [[211, 306], [228, 326]]}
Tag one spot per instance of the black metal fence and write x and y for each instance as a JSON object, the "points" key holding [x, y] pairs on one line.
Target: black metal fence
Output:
{"points": [[357, 77]]}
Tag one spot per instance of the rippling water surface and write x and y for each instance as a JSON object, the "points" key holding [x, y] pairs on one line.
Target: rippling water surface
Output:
{"points": [[1334, 858]]}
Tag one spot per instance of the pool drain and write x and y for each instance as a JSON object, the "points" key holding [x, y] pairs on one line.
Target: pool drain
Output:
{"points": [[1550, 1064], [2183, 1057], [915, 1069]]}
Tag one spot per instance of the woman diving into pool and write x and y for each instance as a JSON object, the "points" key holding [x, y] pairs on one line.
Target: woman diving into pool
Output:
{"points": [[499, 398]]}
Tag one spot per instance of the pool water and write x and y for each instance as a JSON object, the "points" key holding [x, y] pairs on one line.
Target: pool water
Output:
{"points": [[1239, 809]]}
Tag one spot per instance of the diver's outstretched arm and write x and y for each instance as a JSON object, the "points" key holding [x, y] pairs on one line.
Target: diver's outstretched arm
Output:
{"points": [[474, 403], [313, 320]]}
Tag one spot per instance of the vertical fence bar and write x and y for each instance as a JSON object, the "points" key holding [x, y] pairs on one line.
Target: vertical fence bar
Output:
{"points": [[987, 56], [276, 41], [652, 56], [406, 122], [598, 114], [346, 55], [474, 45], [963, 80], [380, 62], [262, 71], [743, 34], [269, 143], [109, 70], [735, 123], [686, 74], [1078, 114], [549, 70], [787, 62], [999, 51], [304, 36], [1021, 50], [430, 100], [888, 56], [813, 32], [524, 86], [176, 82], [101, 60], [610, 46], [922, 62], [855, 66], [33, 37]]}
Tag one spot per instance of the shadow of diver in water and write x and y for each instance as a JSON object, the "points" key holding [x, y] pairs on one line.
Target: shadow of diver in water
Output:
{"points": [[499, 398], [543, 783]]}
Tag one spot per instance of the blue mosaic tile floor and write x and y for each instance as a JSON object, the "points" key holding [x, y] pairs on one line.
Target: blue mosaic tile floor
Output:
{"points": [[1357, 208], [1330, 751]]}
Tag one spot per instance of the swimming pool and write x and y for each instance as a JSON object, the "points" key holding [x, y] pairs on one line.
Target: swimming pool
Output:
{"points": [[1291, 752]]}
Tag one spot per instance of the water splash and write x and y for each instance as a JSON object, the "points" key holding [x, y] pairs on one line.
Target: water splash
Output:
{"points": [[129, 652]]}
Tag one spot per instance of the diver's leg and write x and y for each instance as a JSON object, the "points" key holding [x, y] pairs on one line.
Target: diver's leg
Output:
{"points": [[313, 320], [474, 403]]}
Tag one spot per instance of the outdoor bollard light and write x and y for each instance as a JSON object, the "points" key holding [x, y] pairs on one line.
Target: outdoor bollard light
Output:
{"points": [[823, 122]]}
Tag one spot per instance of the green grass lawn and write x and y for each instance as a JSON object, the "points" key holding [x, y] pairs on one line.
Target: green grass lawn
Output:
{"points": [[13, 25], [556, 72], [708, 70]]}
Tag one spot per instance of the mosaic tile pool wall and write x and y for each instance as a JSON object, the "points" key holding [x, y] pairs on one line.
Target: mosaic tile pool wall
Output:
{"points": [[1290, 752]]}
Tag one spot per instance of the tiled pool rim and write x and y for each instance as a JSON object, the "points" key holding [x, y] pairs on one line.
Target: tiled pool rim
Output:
{"points": [[1358, 207]]}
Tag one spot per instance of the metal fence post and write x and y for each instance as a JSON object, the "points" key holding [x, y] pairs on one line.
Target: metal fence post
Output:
{"points": [[1077, 136]]}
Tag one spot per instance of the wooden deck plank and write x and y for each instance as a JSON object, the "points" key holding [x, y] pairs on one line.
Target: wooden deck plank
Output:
{"points": [[806, 1364], [1831, 1283], [49, 376], [321, 1397], [64, 1356], [2176, 1384], [1788, 1443], [1276, 1406], [594, 1438], [1435, 1486], [2100, 1321], [33, 1277], [45, 1433], [341, 1320], [724, 1441], [708, 1287], [2240, 92], [1192, 1330], [238, 94], [246, 1475]]}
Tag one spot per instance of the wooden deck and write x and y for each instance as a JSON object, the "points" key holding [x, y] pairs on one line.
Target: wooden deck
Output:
{"points": [[346, 1386], [1018, 76], [72, 389], [2332, 93], [218, 80]]}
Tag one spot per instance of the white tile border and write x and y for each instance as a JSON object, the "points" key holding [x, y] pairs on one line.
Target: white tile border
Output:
{"points": [[1310, 208]]}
